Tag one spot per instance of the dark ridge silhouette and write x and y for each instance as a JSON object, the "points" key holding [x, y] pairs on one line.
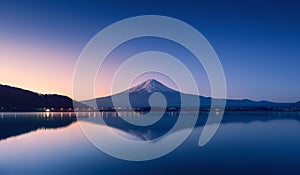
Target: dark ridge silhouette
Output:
{"points": [[17, 99]]}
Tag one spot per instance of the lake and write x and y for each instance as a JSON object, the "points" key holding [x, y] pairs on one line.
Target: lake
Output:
{"points": [[245, 143]]}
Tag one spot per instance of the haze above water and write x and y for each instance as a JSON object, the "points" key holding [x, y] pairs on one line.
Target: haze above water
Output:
{"points": [[245, 143]]}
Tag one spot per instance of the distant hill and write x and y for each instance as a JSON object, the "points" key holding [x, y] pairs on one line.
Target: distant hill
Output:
{"points": [[139, 98], [17, 99]]}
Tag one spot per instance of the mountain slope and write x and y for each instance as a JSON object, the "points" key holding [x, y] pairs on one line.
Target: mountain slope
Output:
{"points": [[139, 98], [296, 105]]}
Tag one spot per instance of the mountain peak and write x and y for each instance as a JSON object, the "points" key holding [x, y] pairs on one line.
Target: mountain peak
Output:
{"points": [[150, 86], [152, 82]]}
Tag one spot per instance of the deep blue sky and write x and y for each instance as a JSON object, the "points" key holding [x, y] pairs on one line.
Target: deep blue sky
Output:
{"points": [[258, 42]]}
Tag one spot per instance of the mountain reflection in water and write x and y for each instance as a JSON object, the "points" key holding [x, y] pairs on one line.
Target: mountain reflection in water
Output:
{"points": [[13, 124]]}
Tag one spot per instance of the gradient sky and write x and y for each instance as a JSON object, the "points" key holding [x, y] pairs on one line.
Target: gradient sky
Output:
{"points": [[258, 43]]}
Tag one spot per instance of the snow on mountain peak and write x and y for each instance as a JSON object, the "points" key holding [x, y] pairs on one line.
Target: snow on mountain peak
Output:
{"points": [[151, 85]]}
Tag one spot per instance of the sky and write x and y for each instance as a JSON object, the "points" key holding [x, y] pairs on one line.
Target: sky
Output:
{"points": [[257, 42]]}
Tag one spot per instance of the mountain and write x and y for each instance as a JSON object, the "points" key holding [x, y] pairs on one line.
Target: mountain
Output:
{"points": [[139, 98], [151, 86], [139, 95], [17, 99]]}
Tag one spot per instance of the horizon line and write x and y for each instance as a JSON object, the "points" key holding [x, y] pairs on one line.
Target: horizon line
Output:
{"points": [[229, 98]]}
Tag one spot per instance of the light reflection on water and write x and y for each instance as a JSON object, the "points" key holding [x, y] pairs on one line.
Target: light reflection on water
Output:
{"points": [[52, 143]]}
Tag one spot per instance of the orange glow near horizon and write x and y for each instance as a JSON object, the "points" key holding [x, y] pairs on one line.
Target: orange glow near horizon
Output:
{"points": [[49, 70], [41, 69], [36, 68]]}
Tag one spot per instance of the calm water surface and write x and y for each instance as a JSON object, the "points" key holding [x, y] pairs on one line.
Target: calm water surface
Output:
{"points": [[245, 143]]}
